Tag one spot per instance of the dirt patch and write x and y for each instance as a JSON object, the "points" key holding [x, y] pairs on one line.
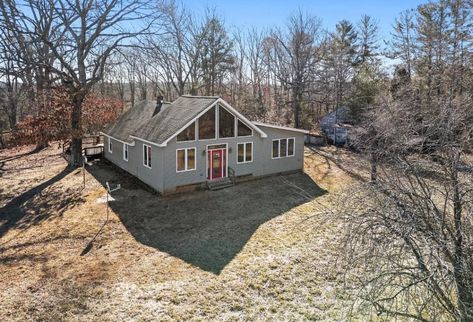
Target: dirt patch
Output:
{"points": [[264, 249]]}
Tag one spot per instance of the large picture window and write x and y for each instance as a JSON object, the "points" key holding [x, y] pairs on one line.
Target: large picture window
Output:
{"points": [[243, 130], [283, 148], [185, 159], [245, 152], [146, 155], [226, 123], [207, 125], [188, 134]]}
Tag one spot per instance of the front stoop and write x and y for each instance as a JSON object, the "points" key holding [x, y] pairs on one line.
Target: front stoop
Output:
{"points": [[219, 183]]}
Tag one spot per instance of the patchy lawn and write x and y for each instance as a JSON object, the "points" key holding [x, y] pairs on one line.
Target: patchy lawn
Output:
{"points": [[261, 250]]}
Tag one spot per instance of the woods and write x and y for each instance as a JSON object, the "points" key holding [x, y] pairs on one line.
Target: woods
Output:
{"points": [[68, 68], [289, 74]]}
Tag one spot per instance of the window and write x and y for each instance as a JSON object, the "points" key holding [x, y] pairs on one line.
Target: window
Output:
{"points": [[185, 159], [226, 123], [243, 130], [207, 125], [147, 156], [188, 134], [245, 152], [290, 147], [125, 151], [110, 145], [275, 149], [283, 148]]}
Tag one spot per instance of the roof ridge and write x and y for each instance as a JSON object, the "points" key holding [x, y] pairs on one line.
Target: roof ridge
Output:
{"points": [[199, 96]]}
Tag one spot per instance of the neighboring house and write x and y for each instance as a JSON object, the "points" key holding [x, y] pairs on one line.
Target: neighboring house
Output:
{"points": [[334, 125], [198, 139]]}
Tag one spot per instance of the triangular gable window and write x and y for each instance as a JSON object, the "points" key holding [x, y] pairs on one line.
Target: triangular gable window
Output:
{"points": [[244, 130], [188, 134]]}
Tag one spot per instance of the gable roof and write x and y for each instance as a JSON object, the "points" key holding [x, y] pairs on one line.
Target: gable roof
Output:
{"points": [[168, 122], [139, 122], [132, 120]]}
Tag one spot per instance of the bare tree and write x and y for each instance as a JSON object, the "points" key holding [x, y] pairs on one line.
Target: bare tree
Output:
{"points": [[412, 235], [295, 57], [255, 58], [177, 48], [29, 57], [83, 36]]}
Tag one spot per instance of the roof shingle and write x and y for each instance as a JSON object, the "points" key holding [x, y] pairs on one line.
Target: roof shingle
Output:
{"points": [[139, 122]]}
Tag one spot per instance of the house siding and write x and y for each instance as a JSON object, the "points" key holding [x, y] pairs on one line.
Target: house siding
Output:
{"points": [[164, 178], [262, 164], [152, 177]]}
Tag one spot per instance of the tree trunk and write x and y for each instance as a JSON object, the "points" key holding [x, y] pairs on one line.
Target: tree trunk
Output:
{"points": [[374, 168], [12, 114], [297, 107], [461, 272], [76, 126]]}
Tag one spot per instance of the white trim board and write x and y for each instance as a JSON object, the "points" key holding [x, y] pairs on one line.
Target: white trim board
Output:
{"points": [[281, 127], [229, 108], [252, 125], [146, 141], [109, 136]]}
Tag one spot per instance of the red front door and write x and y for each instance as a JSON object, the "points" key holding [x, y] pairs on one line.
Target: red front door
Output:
{"points": [[217, 164]]}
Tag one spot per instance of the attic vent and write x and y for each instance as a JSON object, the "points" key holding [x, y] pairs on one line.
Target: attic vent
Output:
{"points": [[159, 104]]}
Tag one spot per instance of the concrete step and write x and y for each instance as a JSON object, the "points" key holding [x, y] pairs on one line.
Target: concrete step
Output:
{"points": [[219, 183]]}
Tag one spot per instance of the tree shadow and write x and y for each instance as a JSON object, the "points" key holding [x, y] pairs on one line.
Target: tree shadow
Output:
{"points": [[206, 229], [18, 156], [38, 204], [330, 158]]}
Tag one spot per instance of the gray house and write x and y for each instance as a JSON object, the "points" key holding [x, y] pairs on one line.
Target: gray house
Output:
{"points": [[335, 125], [197, 141]]}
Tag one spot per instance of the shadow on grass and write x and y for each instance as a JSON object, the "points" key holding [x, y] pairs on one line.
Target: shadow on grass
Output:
{"points": [[14, 157], [337, 163], [38, 203], [206, 229]]}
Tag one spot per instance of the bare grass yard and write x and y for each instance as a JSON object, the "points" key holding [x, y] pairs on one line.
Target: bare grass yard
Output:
{"points": [[261, 250]]}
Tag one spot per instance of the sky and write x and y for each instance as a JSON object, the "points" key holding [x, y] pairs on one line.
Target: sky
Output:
{"points": [[268, 13]]}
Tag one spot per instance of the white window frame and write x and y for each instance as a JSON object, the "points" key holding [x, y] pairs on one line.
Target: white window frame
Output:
{"points": [[148, 154], [186, 169], [125, 152], [110, 147], [236, 129], [293, 147], [287, 148], [244, 152]]}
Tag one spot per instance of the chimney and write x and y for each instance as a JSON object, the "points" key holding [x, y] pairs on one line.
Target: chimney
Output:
{"points": [[159, 104]]}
